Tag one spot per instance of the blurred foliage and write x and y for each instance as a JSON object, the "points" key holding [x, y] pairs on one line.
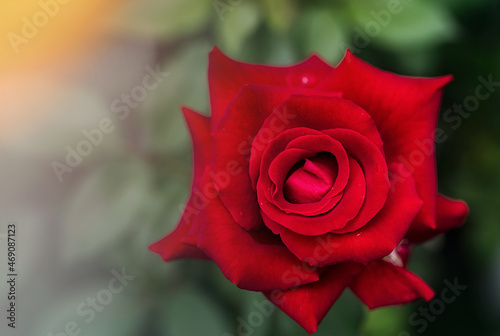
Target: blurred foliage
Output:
{"points": [[129, 201]]}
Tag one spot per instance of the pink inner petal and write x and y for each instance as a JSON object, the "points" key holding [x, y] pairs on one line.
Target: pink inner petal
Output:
{"points": [[311, 179]]}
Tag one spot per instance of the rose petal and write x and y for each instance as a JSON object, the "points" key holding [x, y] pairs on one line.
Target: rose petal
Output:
{"points": [[308, 304], [232, 143], [276, 196], [255, 260], [405, 111], [312, 180], [171, 246], [351, 213], [272, 148], [373, 241], [226, 77], [326, 144], [278, 161], [317, 112], [375, 171], [346, 209], [450, 214], [384, 284]]}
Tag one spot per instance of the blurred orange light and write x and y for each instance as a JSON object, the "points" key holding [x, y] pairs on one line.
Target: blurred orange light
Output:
{"points": [[40, 31]]}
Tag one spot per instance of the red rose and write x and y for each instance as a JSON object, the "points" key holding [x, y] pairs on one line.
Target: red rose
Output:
{"points": [[310, 179]]}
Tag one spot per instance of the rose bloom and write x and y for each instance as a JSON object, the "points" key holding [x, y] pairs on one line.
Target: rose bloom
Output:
{"points": [[311, 179]]}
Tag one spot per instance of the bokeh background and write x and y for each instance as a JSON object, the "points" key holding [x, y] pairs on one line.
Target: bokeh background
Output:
{"points": [[63, 72]]}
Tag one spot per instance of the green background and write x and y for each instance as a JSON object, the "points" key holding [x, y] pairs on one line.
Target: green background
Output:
{"points": [[130, 191]]}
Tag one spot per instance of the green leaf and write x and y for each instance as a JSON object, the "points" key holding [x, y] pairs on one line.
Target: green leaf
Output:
{"points": [[237, 25], [280, 14], [188, 311], [270, 49], [479, 183], [386, 321], [110, 201], [168, 20], [414, 24], [322, 30], [162, 122], [344, 318], [166, 207], [119, 314], [74, 111], [258, 313], [466, 5]]}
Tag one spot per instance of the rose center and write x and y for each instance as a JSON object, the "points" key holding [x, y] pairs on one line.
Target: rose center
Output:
{"points": [[310, 179]]}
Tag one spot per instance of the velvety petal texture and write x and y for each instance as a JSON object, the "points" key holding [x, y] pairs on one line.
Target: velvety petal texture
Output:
{"points": [[405, 111], [308, 304], [240, 254], [233, 142], [226, 77], [375, 240], [384, 284], [450, 214], [172, 246], [311, 179]]}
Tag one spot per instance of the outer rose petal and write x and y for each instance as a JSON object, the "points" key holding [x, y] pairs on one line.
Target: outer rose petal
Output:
{"points": [[226, 77], [171, 246], [450, 214], [375, 240], [405, 110], [255, 261], [384, 284], [308, 304]]}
